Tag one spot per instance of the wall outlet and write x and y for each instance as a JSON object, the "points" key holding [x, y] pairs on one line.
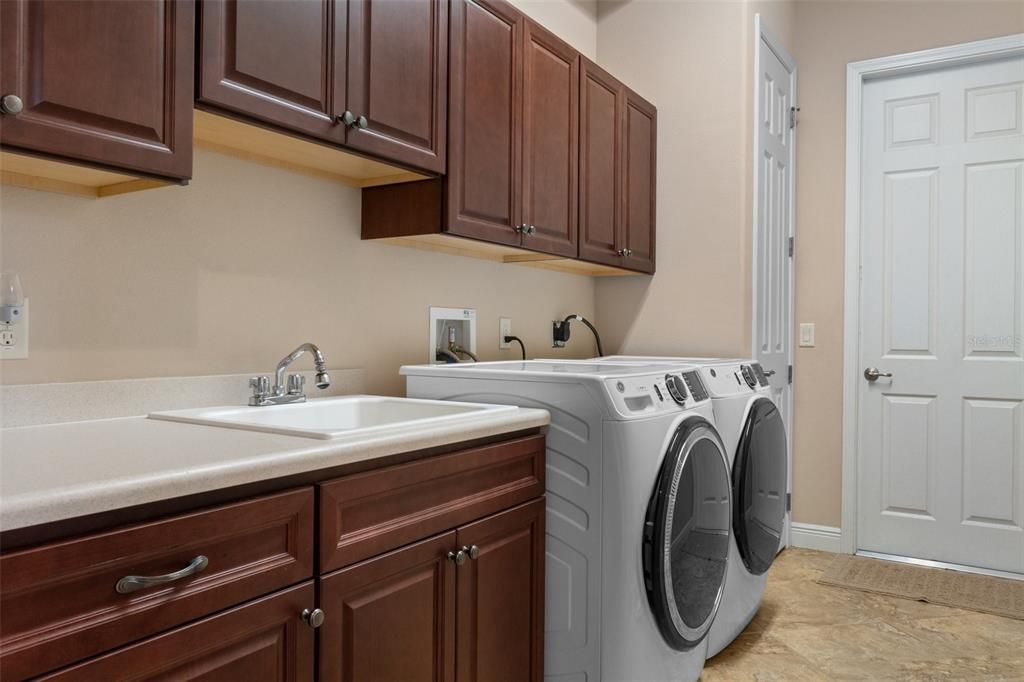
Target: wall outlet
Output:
{"points": [[14, 337], [504, 329], [807, 335]]}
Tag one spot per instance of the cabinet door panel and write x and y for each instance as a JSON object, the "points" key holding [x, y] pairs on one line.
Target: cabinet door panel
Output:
{"points": [[484, 124], [264, 639], [550, 139], [601, 115], [275, 61], [641, 141], [398, 72], [500, 607], [392, 617], [105, 82]]}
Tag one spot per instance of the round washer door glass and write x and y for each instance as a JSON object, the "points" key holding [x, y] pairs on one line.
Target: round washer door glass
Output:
{"points": [[759, 486], [686, 535]]}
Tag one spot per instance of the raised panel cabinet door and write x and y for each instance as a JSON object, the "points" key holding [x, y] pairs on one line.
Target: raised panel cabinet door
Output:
{"points": [[601, 117], [276, 61], [485, 93], [262, 640], [640, 142], [550, 139], [398, 80], [500, 605], [391, 618], [109, 83]]}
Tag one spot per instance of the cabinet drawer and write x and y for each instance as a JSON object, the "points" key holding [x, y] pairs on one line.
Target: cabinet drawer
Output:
{"points": [[261, 640], [369, 513], [60, 601]]}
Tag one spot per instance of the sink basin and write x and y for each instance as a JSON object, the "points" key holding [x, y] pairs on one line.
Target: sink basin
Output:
{"points": [[347, 417]]}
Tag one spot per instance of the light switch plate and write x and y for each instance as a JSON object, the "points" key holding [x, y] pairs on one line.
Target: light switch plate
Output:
{"points": [[14, 337], [807, 335]]}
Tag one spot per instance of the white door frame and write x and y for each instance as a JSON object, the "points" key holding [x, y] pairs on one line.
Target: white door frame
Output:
{"points": [[857, 74], [762, 33]]}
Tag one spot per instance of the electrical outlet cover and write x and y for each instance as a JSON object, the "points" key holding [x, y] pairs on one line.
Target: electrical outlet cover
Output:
{"points": [[14, 337], [504, 329]]}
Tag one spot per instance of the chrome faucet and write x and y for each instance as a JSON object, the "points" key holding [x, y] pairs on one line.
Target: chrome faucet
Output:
{"points": [[280, 394]]}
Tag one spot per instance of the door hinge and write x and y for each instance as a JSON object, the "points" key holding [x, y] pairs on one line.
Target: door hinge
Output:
{"points": [[789, 501], [793, 117], [790, 247], [790, 372]]}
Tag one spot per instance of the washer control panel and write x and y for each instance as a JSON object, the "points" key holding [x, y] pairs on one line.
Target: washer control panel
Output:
{"points": [[650, 394], [729, 379]]}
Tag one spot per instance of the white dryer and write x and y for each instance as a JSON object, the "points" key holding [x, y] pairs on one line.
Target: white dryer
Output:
{"points": [[754, 434], [639, 510]]}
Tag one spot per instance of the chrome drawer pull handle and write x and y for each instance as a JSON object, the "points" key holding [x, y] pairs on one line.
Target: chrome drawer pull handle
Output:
{"points": [[134, 583]]}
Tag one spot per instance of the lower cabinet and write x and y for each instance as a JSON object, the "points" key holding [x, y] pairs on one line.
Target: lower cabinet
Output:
{"points": [[467, 604], [265, 639], [428, 570]]}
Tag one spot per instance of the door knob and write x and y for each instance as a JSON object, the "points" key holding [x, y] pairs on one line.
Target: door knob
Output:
{"points": [[458, 557], [11, 105], [621, 252], [361, 123], [529, 229], [519, 228], [872, 373], [347, 118], [472, 550], [770, 373], [314, 618]]}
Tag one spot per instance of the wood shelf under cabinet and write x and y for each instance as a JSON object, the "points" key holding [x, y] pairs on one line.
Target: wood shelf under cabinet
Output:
{"points": [[411, 214]]}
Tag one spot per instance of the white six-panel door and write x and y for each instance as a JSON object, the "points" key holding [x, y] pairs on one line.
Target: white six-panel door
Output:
{"points": [[941, 441], [773, 227]]}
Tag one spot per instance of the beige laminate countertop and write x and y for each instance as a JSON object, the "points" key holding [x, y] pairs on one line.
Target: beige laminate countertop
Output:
{"points": [[62, 471]]}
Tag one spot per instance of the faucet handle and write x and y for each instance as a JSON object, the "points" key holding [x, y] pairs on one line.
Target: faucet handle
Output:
{"points": [[260, 386], [296, 384]]}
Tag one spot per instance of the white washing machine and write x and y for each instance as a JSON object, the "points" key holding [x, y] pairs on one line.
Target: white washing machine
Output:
{"points": [[638, 510], [754, 434]]}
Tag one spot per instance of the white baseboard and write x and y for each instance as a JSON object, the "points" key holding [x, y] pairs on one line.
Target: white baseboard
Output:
{"points": [[813, 536]]}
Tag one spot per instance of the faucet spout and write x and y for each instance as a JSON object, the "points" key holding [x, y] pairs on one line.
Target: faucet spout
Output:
{"points": [[323, 380]]}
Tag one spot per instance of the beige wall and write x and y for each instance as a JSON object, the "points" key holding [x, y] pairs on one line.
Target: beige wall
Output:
{"points": [[693, 59], [574, 21], [228, 274], [689, 59], [828, 36]]}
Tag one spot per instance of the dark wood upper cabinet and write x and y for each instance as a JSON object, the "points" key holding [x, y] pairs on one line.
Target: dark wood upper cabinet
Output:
{"points": [[618, 142], [500, 605], [108, 83], [278, 62], [392, 617], [485, 94], [367, 74], [550, 138], [398, 79], [601, 122], [640, 140]]}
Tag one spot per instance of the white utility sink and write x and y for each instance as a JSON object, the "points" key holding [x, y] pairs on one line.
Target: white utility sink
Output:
{"points": [[360, 416]]}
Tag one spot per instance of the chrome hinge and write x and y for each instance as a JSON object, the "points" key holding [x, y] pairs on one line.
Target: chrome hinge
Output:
{"points": [[793, 119], [791, 374], [790, 247], [789, 501]]}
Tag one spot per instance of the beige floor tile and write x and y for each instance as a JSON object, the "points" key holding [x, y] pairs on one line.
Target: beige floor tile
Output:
{"points": [[807, 631]]}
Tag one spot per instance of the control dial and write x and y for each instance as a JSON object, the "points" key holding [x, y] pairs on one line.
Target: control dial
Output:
{"points": [[748, 376], [676, 388]]}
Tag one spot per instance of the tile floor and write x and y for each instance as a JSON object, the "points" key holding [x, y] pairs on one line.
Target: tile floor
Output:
{"points": [[807, 631]]}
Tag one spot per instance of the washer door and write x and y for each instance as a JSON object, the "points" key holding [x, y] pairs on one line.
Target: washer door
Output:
{"points": [[686, 535], [759, 486]]}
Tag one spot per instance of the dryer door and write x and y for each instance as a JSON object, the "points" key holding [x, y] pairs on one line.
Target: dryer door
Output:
{"points": [[759, 486], [686, 535]]}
